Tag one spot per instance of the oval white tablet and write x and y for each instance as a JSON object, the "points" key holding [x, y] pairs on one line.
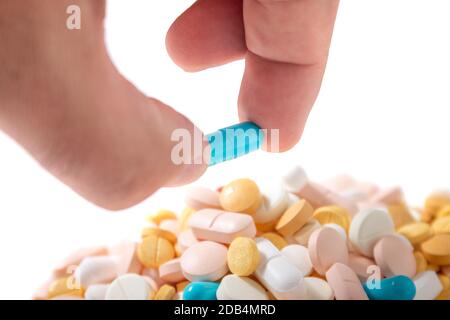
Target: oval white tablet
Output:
{"points": [[367, 227], [233, 287]]}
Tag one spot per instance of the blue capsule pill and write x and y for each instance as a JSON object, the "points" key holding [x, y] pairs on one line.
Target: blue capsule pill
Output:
{"points": [[200, 291], [394, 288], [234, 141]]}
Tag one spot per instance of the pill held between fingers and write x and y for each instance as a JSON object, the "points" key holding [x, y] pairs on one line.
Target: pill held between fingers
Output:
{"points": [[295, 217], [345, 283], [437, 249], [367, 227], [233, 287], [318, 289], [240, 195], [234, 141], [171, 271], [166, 292], [302, 235], [129, 287], [204, 261], [326, 248], [221, 226], [96, 270], [416, 232], [96, 292], [394, 257], [277, 240], [298, 255], [161, 215], [243, 256], [154, 251], [428, 285], [202, 198]]}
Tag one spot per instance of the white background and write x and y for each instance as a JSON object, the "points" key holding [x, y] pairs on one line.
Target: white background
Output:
{"points": [[383, 115]]}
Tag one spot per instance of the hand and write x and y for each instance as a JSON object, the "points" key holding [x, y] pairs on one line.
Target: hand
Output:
{"points": [[63, 100], [285, 44]]}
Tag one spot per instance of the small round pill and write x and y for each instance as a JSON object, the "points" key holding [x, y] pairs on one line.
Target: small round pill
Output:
{"points": [[240, 195], [154, 251], [294, 218], [243, 256]]}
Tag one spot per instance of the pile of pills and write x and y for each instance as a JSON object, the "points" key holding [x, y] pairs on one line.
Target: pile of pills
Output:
{"points": [[294, 239]]}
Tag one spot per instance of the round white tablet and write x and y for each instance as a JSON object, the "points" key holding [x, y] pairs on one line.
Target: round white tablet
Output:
{"points": [[367, 227], [318, 289], [233, 287], [299, 256], [129, 287]]}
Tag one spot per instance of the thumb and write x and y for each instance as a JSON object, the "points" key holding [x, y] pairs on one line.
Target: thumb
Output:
{"points": [[82, 120]]}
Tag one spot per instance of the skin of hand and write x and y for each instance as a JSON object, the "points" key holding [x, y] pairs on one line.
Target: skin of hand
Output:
{"points": [[64, 101]]}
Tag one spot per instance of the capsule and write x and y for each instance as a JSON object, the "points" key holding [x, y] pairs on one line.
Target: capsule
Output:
{"points": [[234, 141]]}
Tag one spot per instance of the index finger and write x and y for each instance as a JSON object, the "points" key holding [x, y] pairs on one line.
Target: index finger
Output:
{"points": [[288, 43]]}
